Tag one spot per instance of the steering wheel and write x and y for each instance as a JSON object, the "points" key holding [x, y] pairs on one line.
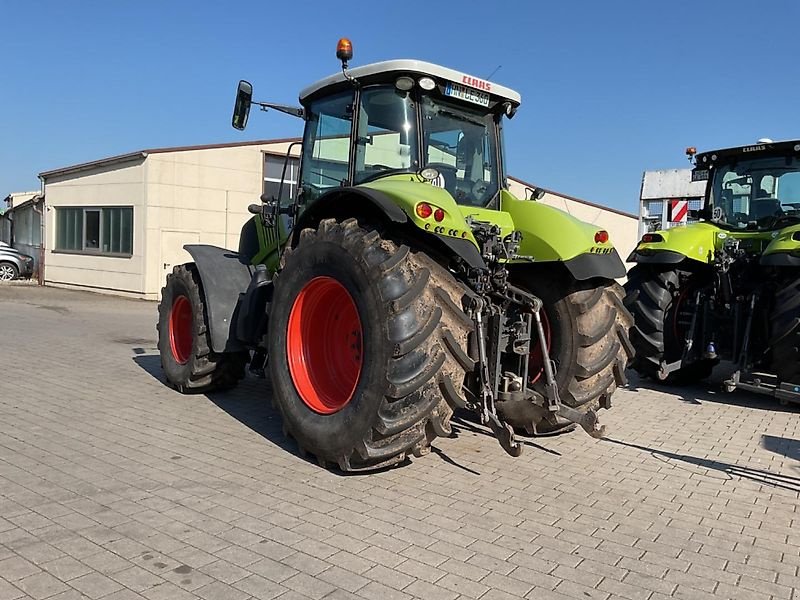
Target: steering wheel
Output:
{"points": [[740, 217], [479, 189], [440, 166]]}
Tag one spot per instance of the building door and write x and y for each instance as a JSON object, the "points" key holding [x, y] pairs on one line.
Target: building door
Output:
{"points": [[172, 252]]}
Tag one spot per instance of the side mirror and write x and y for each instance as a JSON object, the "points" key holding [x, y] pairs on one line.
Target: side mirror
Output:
{"points": [[537, 193], [241, 108]]}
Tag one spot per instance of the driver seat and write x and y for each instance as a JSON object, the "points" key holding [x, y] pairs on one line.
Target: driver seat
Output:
{"points": [[765, 207]]}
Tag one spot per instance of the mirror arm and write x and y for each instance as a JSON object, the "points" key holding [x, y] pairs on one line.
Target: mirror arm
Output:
{"points": [[295, 111]]}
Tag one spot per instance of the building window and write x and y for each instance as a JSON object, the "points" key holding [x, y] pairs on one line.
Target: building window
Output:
{"points": [[95, 230], [273, 169]]}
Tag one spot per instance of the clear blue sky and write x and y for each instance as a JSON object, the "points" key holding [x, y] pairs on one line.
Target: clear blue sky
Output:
{"points": [[609, 88]]}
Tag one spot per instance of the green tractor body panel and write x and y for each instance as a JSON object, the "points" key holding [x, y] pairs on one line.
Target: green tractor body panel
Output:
{"points": [[407, 191], [695, 242], [550, 234], [698, 241], [784, 243], [270, 243]]}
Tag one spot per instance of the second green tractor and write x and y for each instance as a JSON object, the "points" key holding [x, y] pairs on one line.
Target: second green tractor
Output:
{"points": [[726, 289], [403, 280]]}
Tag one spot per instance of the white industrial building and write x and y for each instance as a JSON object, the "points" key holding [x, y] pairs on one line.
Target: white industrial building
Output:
{"points": [[667, 197], [118, 225]]}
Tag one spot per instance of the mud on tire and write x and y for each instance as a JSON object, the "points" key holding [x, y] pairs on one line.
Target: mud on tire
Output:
{"points": [[184, 341], [410, 353], [588, 331], [785, 333]]}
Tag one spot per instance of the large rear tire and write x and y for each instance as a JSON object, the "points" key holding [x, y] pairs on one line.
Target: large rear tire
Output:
{"points": [[587, 326], [366, 346], [183, 338], [655, 299], [785, 333]]}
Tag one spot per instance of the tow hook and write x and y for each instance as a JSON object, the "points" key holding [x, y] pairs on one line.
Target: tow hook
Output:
{"points": [[588, 420]]}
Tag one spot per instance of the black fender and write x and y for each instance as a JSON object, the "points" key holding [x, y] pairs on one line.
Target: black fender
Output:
{"points": [[249, 246], [780, 259], [588, 265], [377, 205], [225, 274], [339, 203], [656, 257]]}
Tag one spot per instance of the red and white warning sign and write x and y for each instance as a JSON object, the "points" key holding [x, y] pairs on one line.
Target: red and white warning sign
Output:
{"points": [[679, 210]]}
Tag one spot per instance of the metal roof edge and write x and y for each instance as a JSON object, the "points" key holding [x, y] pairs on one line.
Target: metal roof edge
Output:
{"points": [[121, 158]]}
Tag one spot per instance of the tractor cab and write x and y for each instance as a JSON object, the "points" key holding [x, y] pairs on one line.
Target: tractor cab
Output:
{"points": [[400, 117], [751, 188]]}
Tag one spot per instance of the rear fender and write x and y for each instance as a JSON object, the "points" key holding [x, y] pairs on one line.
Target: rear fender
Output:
{"points": [[224, 275], [784, 249], [552, 235], [380, 206], [695, 242]]}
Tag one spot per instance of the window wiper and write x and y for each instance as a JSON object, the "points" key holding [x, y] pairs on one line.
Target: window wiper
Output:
{"points": [[339, 181]]}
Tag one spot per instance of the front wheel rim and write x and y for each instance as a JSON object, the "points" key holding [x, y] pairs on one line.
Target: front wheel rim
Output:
{"points": [[6, 273], [180, 330], [324, 345]]}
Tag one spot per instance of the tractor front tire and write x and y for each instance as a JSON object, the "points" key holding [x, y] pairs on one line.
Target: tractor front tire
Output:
{"points": [[366, 345], [587, 325], [184, 341], [785, 333], [651, 296]]}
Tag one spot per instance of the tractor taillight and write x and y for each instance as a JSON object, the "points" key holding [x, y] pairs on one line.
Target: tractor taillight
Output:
{"points": [[424, 210], [650, 238], [438, 214], [601, 237]]}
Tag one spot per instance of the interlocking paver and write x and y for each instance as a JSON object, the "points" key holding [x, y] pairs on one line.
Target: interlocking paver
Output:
{"points": [[114, 486], [41, 585]]}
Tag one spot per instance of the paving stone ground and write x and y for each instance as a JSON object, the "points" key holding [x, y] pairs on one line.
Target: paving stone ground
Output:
{"points": [[114, 486]]}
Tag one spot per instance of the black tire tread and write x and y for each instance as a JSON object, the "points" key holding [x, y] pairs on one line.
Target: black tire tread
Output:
{"points": [[604, 352], [209, 370], [649, 297], [785, 333], [421, 330]]}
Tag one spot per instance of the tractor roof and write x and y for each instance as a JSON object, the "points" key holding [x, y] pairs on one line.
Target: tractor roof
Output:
{"points": [[384, 70], [761, 148]]}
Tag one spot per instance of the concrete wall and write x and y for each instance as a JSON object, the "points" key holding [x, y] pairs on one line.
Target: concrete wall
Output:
{"points": [[198, 196], [622, 228], [117, 184]]}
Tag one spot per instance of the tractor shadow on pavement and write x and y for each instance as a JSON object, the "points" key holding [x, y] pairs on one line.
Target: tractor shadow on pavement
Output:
{"points": [[248, 403], [467, 422], [729, 470], [780, 445], [711, 391]]}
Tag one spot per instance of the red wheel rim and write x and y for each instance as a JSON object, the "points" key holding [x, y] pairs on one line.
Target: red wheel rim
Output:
{"points": [[324, 345], [536, 356], [678, 330], [180, 330]]}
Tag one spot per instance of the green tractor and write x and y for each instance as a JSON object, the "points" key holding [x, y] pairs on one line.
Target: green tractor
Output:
{"points": [[726, 289], [403, 280]]}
